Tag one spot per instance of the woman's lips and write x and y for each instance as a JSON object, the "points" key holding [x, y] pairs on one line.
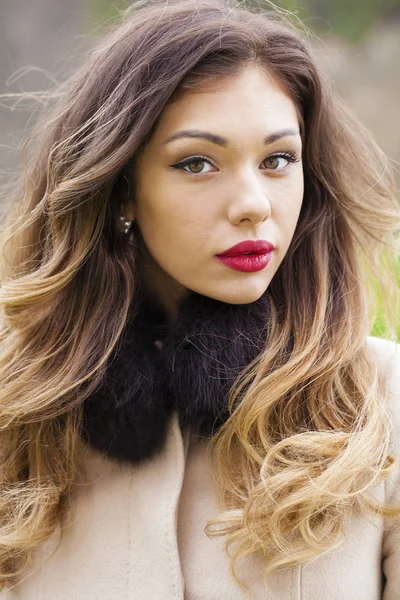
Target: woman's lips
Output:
{"points": [[247, 264], [248, 256], [249, 246]]}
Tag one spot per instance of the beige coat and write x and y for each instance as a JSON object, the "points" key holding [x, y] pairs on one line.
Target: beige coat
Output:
{"points": [[138, 533]]}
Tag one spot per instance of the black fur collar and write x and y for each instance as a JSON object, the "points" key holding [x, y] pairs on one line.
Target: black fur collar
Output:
{"points": [[189, 366]]}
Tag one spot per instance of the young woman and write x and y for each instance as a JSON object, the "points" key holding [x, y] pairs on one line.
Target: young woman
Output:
{"points": [[191, 404]]}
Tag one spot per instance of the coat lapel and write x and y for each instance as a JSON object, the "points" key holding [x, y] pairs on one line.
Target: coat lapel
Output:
{"points": [[121, 537]]}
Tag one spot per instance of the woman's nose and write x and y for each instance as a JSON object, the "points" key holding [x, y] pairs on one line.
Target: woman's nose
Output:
{"points": [[249, 200]]}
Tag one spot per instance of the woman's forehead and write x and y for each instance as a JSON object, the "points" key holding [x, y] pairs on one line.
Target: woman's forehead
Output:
{"points": [[250, 99]]}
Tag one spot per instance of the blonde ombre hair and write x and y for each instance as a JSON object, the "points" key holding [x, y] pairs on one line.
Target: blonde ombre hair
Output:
{"points": [[308, 437]]}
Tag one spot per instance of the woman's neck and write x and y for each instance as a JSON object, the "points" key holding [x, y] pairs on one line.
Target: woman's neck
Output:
{"points": [[160, 287]]}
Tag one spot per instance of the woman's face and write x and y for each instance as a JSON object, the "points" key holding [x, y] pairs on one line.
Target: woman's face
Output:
{"points": [[235, 175]]}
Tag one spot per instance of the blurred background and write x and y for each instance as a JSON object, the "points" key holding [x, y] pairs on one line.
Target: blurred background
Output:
{"points": [[359, 46], [357, 43]]}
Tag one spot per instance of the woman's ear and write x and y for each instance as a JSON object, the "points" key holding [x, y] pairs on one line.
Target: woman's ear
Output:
{"points": [[128, 211], [124, 191]]}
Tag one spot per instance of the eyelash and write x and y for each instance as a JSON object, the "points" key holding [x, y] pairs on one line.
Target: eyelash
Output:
{"points": [[290, 156]]}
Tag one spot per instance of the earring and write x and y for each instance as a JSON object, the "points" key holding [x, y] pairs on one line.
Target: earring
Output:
{"points": [[125, 224]]}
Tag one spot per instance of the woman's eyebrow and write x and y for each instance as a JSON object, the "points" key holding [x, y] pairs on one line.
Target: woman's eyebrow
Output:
{"points": [[221, 141]]}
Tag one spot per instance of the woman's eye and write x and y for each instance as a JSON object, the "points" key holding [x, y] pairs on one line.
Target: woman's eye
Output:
{"points": [[277, 163], [194, 165]]}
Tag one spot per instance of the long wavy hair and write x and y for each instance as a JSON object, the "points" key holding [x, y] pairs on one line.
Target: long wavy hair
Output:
{"points": [[308, 437]]}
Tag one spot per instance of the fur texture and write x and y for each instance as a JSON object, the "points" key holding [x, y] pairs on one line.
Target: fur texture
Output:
{"points": [[189, 366]]}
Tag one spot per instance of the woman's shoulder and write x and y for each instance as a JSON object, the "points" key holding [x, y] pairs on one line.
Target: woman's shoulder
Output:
{"points": [[386, 354]]}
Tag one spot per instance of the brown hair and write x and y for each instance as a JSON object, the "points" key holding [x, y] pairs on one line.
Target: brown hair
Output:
{"points": [[305, 417]]}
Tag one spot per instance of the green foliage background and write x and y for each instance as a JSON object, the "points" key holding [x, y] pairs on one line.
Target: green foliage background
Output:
{"points": [[352, 20]]}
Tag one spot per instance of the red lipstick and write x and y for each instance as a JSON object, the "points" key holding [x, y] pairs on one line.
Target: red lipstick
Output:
{"points": [[248, 256]]}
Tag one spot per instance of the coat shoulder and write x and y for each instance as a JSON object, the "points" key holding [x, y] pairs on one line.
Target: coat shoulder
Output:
{"points": [[387, 356], [386, 353]]}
